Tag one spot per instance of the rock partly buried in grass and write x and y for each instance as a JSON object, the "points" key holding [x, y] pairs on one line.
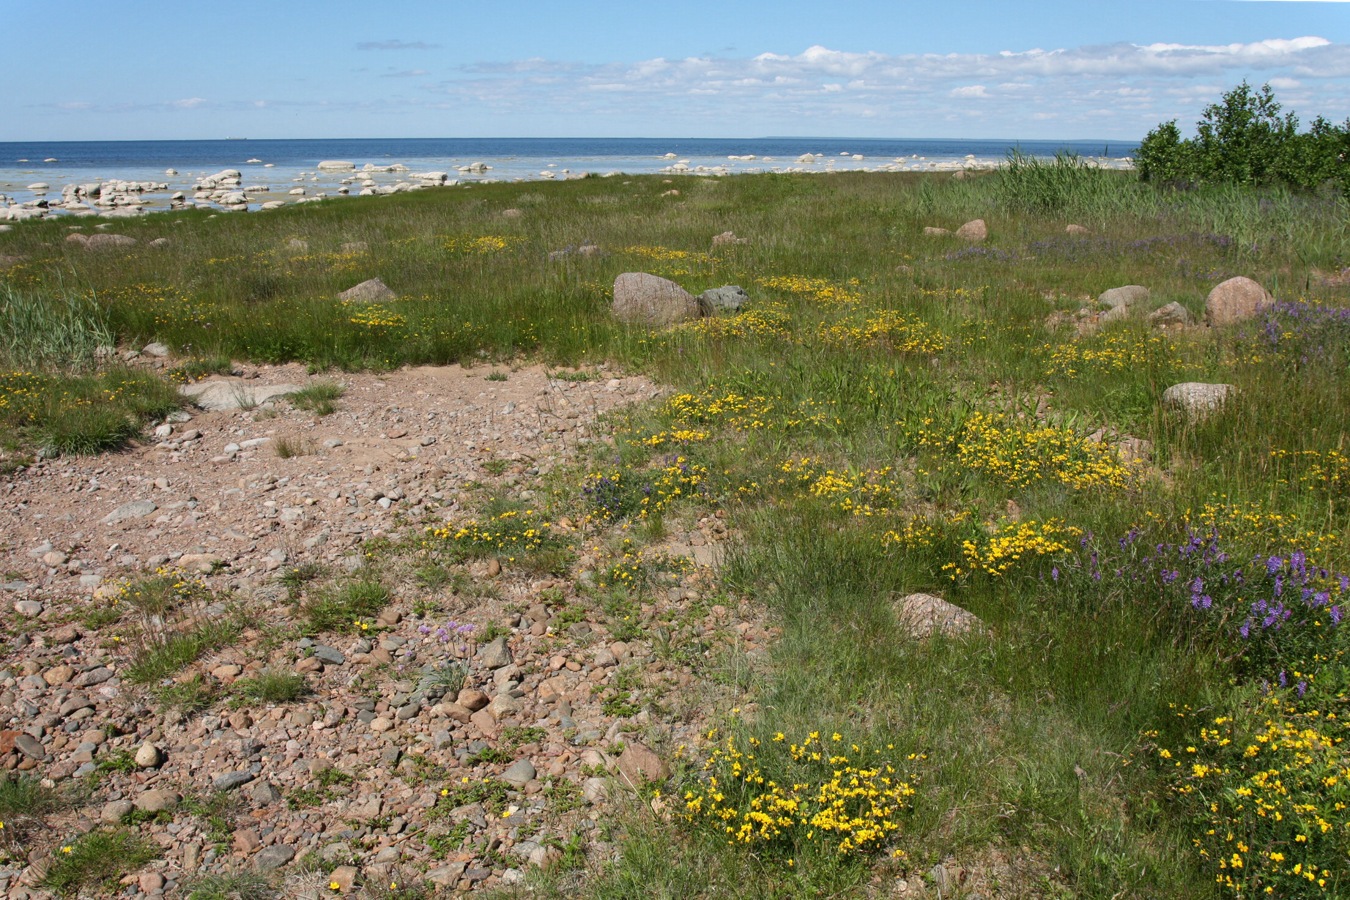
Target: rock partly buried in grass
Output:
{"points": [[372, 291], [975, 230], [1236, 300], [1129, 295], [644, 299], [726, 299], [107, 241], [1076, 229], [1197, 399], [1173, 315], [934, 231], [728, 239], [923, 615], [219, 395]]}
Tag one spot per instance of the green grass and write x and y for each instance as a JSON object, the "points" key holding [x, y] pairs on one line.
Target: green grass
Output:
{"points": [[236, 886], [339, 607], [97, 859], [319, 397], [889, 414], [272, 687]]}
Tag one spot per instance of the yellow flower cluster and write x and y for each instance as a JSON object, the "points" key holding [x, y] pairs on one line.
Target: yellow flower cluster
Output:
{"points": [[995, 444], [814, 288], [634, 566], [1251, 526], [674, 436], [1272, 797], [837, 795], [670, 262], [888, 329], [1014, 542], [482, 244], [768, 321], [718, 408], [1115, 351], [377, 317], [680, 478], [866, 492], [922, 531], [1326, 471], [21, 393], [509, 531]]}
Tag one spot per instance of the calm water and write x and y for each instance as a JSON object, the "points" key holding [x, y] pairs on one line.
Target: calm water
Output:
{"points": [[281, 166]]}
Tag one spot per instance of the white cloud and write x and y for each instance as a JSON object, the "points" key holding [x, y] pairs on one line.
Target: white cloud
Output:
{"points": [[970, 90]]}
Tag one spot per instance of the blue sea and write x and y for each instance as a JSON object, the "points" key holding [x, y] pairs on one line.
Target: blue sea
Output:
{"points": [[277, 168]]}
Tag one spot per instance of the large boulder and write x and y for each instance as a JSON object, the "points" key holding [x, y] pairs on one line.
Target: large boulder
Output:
{"points": [[1236, 300], [644, 299], [1196, 399], [372, 291]]}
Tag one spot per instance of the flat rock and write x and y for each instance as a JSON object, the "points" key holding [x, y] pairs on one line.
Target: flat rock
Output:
{"points": [[923, 615], [219, 395], [274, 857], [109, 242], [1236, 300], [135, 509], [30, 746], [336, 165], [30, 608], [644, 299], [229, 780]]}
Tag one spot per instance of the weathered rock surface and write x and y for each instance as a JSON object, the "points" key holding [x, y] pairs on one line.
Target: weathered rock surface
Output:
{"points": [[644, 299], [974, 231], [726, 299], [924, 615], [1173, 315], [1129, 295], [1197, 399], [1235, 300], [219, 395]]}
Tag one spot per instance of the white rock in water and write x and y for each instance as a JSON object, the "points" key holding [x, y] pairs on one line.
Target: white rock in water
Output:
{"points": [[336, 165], [170, 171], [39, 186]]}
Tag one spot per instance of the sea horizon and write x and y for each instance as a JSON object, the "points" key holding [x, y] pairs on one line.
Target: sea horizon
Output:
{"points": [[35, 174]]}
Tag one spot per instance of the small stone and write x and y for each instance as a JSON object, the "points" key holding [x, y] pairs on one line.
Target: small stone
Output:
{"points": [[975, 230], [273, 857], [495, 655], [30, 746], [136, 509], [329, 655], [923, 615], [115, 811], [148, 756], [227, 781], [246, 841], [1197, 399], [343, 878], [157, 800], [522, 772], [494, 568], [30, 608], [155, 349], [381, 724], [639, 763], [595, 790]]}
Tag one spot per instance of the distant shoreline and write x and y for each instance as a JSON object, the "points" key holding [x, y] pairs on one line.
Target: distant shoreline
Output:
{"points": [[147, 176]]}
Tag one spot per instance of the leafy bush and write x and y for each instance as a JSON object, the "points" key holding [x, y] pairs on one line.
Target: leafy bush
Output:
{"points": [[1244, 139]]}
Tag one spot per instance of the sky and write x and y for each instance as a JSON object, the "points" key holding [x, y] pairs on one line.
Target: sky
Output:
{"points": [[1013, 69]]}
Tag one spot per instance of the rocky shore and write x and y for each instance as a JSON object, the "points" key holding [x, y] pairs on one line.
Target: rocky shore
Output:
{"points": [[479, 725]]}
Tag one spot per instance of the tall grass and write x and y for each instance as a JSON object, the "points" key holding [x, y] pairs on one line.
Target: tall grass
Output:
{"points": [[60, 330]]}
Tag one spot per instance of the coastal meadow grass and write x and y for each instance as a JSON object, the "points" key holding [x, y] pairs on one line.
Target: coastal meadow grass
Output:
{"points": [[892, 412]]}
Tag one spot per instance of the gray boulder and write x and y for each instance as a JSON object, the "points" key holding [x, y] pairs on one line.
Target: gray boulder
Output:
{"points": [[1235, 300], [1196, 399], [372, 291], [726, 299], [1172, 315], [644, 299], [109, 242], [219, 394], [1129, 295]]}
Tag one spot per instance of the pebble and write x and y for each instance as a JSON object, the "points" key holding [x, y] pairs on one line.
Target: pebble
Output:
{"points": [[229, 780], [148, 756]]}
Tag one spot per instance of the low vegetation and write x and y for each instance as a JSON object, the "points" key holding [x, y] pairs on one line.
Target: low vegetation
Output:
{"points": [[1155, 705]]}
